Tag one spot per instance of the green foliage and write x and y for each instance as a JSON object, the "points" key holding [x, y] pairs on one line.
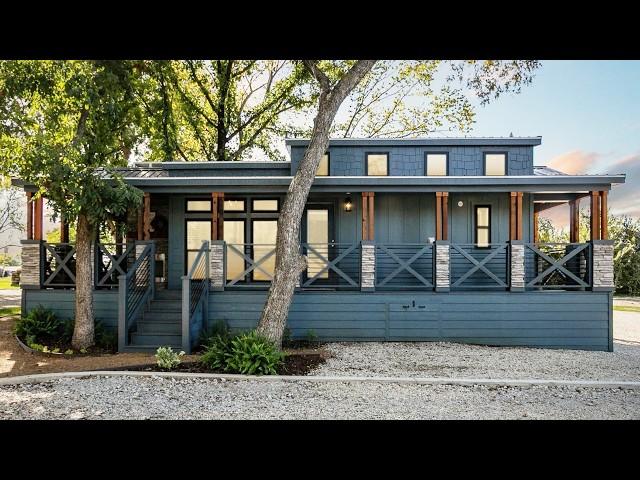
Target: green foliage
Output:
{"points": [[40, 325], [247, 353], [70, 120], [311, 336], [37, 347], [167, 359], [68, 352], [217, 349], [625, 233]]}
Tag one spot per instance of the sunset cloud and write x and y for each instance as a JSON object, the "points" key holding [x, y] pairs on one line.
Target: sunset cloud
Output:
{"points": [[575, 162]]}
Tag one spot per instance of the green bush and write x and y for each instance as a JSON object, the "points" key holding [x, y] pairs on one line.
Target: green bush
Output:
{"points": [[311, 337], [219, 329], [247, 353], [40, 325], [167, 359]]}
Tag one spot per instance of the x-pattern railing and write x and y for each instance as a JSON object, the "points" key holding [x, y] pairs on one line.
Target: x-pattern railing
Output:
{"points": [[59, 270], [327, 264], [107, 274], [253, 263], [404, 265], [558, 264], [480, 265]]}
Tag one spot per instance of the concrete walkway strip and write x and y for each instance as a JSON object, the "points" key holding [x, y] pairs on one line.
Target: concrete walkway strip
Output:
{"points": [[48, 377]]}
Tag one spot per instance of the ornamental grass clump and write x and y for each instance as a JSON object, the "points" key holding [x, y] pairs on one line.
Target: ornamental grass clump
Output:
{"points": [[248, 353], [167, 359]]}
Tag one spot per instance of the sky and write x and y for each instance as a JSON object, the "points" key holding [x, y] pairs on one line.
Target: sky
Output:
{"points": [[588, 114]]}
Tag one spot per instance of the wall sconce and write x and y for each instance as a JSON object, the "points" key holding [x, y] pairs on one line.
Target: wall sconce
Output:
{"points": [[348, 205], [460, 203]]}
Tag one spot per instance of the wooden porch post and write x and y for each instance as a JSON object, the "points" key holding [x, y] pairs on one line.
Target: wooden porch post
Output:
{"points": [[147, 216], [64, 230], [604, 223], [512, 215], [595, 216], [574, 221], [535, 226], [29, 216], [372, 235], [519, 216], [365, 215], [445, 215], [140, 235], [217, 216], [439, 216], [37, 224]]}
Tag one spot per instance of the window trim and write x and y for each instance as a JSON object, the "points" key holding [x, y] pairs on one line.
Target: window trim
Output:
{"points": [[476, 226], [506, 163], [276, 211], [197, 199], [426, 160], [328, 165], [366, 163]]}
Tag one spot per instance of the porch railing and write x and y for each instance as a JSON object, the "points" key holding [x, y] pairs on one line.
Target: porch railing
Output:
{"points": [[195, 298], [404, 266], [58, 265], [563, 266], [479, 267], [249, 264], [136, 290], [111, 261], [331, 265]]}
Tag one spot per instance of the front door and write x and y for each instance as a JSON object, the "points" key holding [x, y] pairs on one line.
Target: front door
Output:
{"points": [[318, 237]]}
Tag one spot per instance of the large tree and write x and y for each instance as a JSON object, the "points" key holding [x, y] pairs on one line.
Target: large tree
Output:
{"points": [[221, 109], [64, 127], [336, 80]]}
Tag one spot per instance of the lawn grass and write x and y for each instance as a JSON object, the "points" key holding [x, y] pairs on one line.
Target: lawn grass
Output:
{"points": [[4, 311], [5, 283], [626, 308]]}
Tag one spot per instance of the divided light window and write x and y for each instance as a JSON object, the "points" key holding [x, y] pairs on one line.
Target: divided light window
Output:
{"points": [[234, 205], [323, 168], [270, 205], [198, 205], [436, 164], [483, 225], [377, 164], [495, 164]]}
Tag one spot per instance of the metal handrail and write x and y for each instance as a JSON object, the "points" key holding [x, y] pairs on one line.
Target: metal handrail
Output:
{"points": [[195, 296], [136, 289]]}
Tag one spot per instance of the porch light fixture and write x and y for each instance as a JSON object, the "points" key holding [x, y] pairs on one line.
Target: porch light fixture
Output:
{"points": [[348, 205], [460, 203]]}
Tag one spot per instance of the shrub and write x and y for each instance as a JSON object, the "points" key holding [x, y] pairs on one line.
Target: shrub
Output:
{"points": [[167, 359], [248, 353], [219, 329], [39, 325], [311, 337]]}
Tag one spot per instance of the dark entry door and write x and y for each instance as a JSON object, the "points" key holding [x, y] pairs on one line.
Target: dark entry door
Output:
{"points": [[319, 239]]}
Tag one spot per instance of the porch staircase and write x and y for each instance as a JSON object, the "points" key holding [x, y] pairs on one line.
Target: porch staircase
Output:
{"points": [[160, 324]]}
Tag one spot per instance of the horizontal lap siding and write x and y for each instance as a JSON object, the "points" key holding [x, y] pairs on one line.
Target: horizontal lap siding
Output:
{"points": [[62, 302], [539, 319]]}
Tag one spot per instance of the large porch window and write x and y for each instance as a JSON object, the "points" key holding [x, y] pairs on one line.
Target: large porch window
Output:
{"points": [[483, 225]]}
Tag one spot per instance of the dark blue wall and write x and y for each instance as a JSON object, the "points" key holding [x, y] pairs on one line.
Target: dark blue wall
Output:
{"points": [[579, 320], [463, 160]]}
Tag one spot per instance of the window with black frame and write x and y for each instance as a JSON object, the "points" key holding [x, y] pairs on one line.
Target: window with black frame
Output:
{"points": [[483, 226]]}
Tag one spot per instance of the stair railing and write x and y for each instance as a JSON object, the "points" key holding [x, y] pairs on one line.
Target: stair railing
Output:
{"points": [[195, 298], [135, 291]]}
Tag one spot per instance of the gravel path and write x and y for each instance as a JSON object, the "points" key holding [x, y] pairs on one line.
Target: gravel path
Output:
{"points": [[158, 398], [474, 361]]}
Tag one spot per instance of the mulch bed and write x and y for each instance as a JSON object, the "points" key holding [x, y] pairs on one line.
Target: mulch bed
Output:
{"points": [[294, 364]]}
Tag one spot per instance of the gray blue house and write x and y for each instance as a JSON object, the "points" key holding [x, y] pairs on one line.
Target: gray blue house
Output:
{"points": [[417, 240]]}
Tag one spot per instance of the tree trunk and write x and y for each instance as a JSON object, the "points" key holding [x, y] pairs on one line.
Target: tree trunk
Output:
{"points": [[289, 262], [83, 332]]}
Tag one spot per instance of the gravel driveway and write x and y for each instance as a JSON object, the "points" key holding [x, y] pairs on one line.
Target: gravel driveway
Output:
{"points": [[162, 398]]}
